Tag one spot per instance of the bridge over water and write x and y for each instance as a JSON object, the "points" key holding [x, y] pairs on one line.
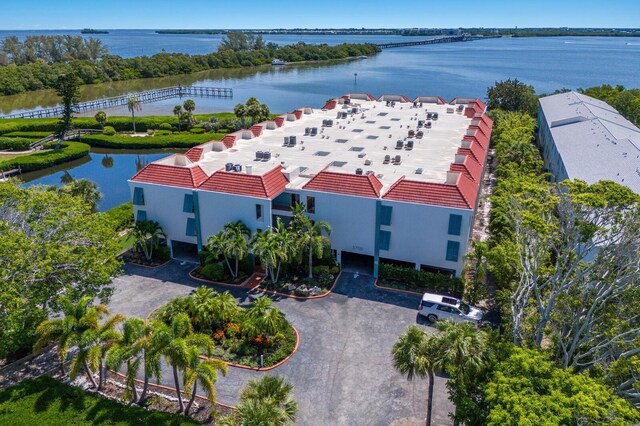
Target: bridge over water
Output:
{"points": [[437, 40]]}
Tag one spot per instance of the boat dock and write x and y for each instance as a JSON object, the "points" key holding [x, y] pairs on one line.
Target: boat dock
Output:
{"points": [[437, 40], [146, 96]]}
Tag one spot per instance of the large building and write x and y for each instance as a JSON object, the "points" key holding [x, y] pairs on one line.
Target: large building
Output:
{"points": [[587, 139], [397, 179]]}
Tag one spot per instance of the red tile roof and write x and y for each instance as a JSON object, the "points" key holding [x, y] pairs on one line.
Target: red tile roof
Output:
{"points": [[279, 120], [345, 183], [229, 140], [475, 107], [475, 151], [256, 129], [269, 185], [330, 105], [437, 194], [298, 113], [184, 177], [194, 154], [470, 167]]}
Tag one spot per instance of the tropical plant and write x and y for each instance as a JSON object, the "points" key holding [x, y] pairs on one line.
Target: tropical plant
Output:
{"points": [[415, 354], [237, 234], [204, 372], [101, 118], [274, 247], [311, 236], [512, 95], [263, 319], [85, 189], [177, 111], [189, 105], [267, 401], [147, 235], [78, 327], [181, 345], [133, 105], [124, 351], [67, 88]]}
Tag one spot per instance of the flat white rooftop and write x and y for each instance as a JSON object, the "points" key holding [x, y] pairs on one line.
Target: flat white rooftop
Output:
{"points": [[360, 141]]}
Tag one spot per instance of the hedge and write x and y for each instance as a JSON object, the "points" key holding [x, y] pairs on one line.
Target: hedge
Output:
{"points": [[15, 144], [120, 123], [122, 215], [43, 159], [421, 281], [157, 141], [30, 135]]}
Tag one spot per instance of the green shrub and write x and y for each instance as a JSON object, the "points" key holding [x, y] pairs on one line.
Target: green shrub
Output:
{"points": [[214, 271], [202, 256], [421, 280], [109, 131], [162, 254], [44, 159], [246, 266], [163, 132], [30, 135], [157, 141], [197, 130], [15, 144], [122, 215], [164, 126]]}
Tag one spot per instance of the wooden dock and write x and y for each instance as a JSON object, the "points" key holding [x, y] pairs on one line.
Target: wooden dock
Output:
{"points": [[144, 97], [437, 40]]}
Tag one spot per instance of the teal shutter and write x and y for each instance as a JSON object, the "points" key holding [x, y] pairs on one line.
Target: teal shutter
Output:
{"points": [[384, 240], [453, 249], [142, 216], [385, 213], [455, 223], [187, 206], [191, 227], [138, 196]]}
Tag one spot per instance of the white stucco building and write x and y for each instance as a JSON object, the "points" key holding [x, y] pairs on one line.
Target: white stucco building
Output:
{"points": [[397, 179], [587, 139]]}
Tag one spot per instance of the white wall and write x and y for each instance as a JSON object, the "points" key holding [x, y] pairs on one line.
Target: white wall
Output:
{"points": [[419, 234], [217, 209], [352, 219], [164, 204]]}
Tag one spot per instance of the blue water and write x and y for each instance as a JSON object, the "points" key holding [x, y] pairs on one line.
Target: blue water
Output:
{"points": [[112, 181]]}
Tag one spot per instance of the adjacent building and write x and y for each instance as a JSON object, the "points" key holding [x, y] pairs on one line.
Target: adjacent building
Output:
{"points": [[587, 139], [397, 179]]}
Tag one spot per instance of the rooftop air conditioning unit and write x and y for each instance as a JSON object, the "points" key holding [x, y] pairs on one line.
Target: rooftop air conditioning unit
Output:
{"points": [[237, 168], [228, 167], [358, 171]]}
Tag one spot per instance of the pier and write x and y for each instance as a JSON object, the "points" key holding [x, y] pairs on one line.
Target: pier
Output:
{"points": [[144, 97], [438, 40]]}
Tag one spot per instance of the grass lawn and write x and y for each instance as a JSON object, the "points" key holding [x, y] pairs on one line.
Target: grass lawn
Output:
{"points": [[47, 402], [11, 156]]}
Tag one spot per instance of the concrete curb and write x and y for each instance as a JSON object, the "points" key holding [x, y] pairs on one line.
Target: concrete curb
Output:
{"points": [[205, 281], [293, 296], [395, 289], [148, 267]]}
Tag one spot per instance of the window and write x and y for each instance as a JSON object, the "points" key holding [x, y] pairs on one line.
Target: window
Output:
{"points": [[141, 216], [295, 200], [138, 197], [427, 304], [449, 309], [187, 206], [385, 238], [311, 205], [453, 247], [191, 227], [455, 222], [259, 212], [385, 214]]}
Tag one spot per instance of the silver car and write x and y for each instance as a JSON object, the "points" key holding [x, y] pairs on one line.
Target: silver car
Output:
{"points": [[437, 307]]}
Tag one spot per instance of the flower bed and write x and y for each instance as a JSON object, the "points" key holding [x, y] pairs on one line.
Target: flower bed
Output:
{"points": [[239, 280], [302, 286]]}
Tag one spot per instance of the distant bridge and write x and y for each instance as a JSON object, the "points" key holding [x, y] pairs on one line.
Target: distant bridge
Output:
{"points": [[437, 40], [147, 96]]}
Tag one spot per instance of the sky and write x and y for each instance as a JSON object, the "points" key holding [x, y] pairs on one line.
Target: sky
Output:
{"points": [[169, 14]]}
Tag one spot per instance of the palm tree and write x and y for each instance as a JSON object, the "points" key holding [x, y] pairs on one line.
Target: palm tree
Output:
{"points": [[206, 373], [182, 345], [274, 247], [177, 110], [125, 351], [85, 189], [267, 401], [106, 337], [311, 236], [134, 104], [415, 355], [218, 245], [241, 112], [189, 105], [76, 328], [237, 234], [464, 353], [147, 235], [264, 319]]}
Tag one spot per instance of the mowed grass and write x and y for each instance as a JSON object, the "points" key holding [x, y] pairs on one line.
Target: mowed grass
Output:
{"points": [[47, 402], [4, 156]]}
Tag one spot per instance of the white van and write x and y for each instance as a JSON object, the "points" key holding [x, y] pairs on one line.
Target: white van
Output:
{"points": [[437, 307]]}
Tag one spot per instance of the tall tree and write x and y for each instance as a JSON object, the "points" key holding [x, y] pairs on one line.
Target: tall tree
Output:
{"points": [[415, 354], [263, 319], [237, 234], [312, 237], [127, 352], [177, 111], [86, 190], [204, 372], [147, 234], [134, 104], [67, 87], [512, 95], [189, 105], [274, 247]]}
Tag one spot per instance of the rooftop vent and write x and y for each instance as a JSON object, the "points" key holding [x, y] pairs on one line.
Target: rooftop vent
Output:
{"points": [[237, 168], [358, 171], [266, 156], [228, 167], [419, 171], [259, 155]]}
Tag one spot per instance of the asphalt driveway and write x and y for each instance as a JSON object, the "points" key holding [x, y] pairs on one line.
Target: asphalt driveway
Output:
{"points": [[342, 373]]}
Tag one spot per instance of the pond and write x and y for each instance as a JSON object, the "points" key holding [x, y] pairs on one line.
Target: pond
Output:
{"points": [[110, 169]]}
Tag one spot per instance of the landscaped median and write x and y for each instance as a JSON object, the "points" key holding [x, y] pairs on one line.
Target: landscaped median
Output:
{"points": [[256, 337], [409, 280], [48, 157]]}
